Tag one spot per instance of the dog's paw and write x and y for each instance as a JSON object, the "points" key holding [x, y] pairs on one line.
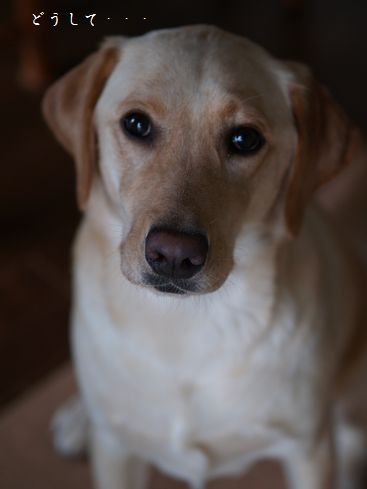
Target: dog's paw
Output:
{"points": [[69, 428]]}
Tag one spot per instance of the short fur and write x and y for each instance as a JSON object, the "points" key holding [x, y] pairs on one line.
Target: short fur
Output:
{"points": [[260, 359]]}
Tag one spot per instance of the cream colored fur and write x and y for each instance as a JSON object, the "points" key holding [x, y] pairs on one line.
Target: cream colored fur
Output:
{"points": [[254, 365]]}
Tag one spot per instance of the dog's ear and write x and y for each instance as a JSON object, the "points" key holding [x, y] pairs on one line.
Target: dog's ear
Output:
{"points": [[326, 142], [68, 107]]}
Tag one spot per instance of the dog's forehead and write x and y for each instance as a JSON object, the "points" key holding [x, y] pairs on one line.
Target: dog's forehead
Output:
{"points": [[175, 65]]}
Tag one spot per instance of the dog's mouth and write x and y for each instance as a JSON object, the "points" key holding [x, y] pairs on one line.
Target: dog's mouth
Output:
{"points": [[169, 286], [170, 289]]}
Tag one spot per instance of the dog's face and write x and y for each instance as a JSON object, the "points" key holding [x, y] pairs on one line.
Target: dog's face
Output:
{"points": [[203, 139], [195, 137]]}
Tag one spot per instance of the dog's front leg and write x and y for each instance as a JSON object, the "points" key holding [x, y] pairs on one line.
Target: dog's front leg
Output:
{"points": [[114, 467], [70, 428], [311, 467]]}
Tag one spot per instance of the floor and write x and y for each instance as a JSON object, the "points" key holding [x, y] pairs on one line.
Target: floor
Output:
{"points": [[26, 444]]}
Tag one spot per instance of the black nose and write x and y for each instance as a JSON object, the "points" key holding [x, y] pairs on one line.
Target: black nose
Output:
{"points": [[175, 254]]}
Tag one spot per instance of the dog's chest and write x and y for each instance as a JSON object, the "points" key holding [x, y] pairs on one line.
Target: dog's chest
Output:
{"points": [[183, 387]]}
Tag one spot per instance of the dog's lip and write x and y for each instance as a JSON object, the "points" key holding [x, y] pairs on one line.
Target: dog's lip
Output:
{"points": [[170, 289], [170, 286]]}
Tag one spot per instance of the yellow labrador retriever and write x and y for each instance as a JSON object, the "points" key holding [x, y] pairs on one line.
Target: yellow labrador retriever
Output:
{"points": [[217, 320]]}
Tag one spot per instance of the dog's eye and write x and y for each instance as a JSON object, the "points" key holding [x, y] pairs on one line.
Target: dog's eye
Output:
{"points": [[137, 124], [245, 141]]}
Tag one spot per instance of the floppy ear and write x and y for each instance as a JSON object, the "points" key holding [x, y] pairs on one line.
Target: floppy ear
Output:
{"points": [[68, 107], [326, 142]]}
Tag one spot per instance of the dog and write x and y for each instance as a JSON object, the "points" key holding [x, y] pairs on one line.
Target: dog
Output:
{"points": [[218, 318]]}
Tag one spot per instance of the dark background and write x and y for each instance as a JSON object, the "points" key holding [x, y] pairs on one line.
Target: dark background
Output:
{"points": [[38, 214]]}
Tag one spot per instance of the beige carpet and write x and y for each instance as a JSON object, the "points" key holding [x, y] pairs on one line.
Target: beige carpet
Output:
{"points": [[27, 459]]}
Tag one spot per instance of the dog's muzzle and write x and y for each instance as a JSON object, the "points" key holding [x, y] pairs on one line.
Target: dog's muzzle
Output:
{"points": [[174, 257]]}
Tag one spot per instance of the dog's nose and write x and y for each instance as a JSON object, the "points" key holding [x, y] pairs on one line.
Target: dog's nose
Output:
{"points": [[175, 254]]}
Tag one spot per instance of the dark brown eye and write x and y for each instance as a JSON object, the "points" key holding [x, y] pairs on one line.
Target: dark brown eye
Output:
{"points": [[137, 124], [245, 141]]}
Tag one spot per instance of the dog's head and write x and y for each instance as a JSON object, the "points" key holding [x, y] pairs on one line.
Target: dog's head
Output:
{"points": [[200, 138]]}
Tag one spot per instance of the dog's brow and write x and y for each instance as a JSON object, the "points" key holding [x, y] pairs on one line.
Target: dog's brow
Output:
{"points": [[138, 101], [239, 106], [242, 99]]}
